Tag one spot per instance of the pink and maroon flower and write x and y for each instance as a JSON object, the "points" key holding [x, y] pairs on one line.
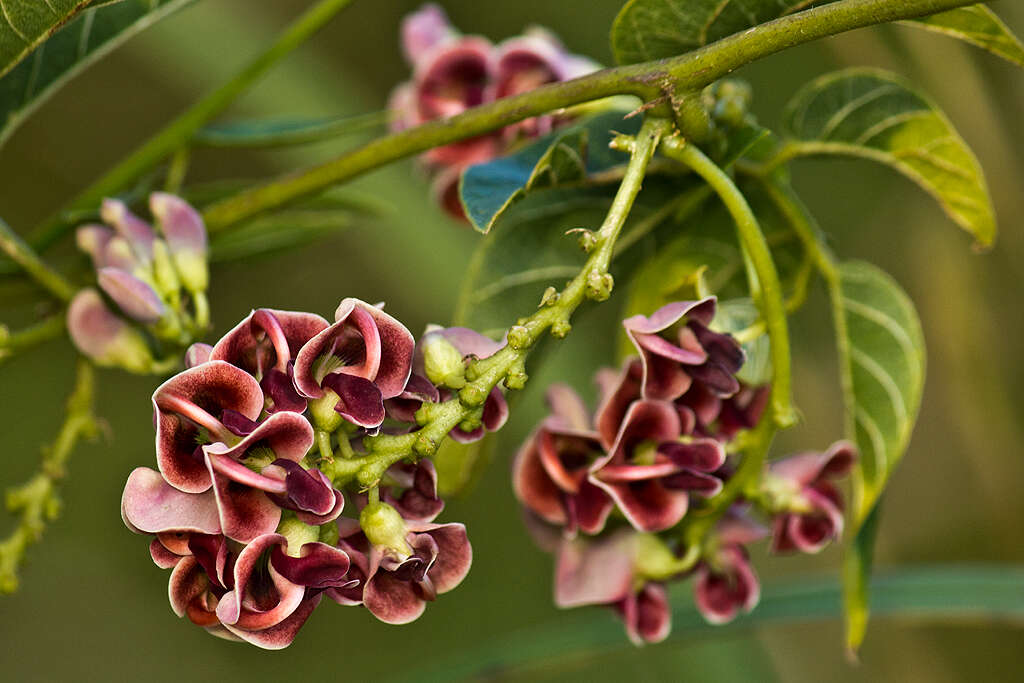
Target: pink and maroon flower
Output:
{"points": [[812, 507], [725, 583], [549, 473], [364, 358]]}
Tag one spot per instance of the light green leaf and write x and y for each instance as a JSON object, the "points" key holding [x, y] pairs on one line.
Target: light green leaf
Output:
{"points": [[882, 362], [655, 29], [979, 26], [488, 190], [92, 34], [24, 24], [858, 561], [876, 115], [279, 133]]}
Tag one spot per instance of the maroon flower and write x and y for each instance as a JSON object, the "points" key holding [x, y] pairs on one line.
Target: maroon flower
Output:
{"points": [[412, 490], [649, 472], [364, 358], [725, 583], [265, 345], [677, 348], [549, 473], [603, 571], [811, 506], [397, 588]]}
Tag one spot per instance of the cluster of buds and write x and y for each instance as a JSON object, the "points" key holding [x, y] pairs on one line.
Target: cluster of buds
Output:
{"points": [[246, 503], [151, 297], [453, 72], [609, 493]]}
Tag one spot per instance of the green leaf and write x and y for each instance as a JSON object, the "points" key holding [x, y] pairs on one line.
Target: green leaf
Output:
{"points": [[286, 131], [979, 26], [276, 232], [876, 115], [92, 34], [488, 190], [858, 561], [459, 465], [24, 24], [655, 29], [973, 595], [882, 362]]}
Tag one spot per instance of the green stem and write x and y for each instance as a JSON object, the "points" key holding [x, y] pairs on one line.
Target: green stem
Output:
{"points": [[766, 282], [180, 130], [593, 281], [22, 254], [651, 81], [15, 342], [980, 596], [37, 500]]}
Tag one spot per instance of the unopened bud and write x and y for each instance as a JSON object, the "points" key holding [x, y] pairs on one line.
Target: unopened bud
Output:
{"points": [[183, 228], [443, 362], [599, 285], [385, 528], [298, 534], [197, 354], [104, 337], [133, 296], [519, 337]]}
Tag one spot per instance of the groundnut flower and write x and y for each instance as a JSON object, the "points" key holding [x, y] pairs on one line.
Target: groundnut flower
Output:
{"points": [[549, 474], [104, 337], [725, 583], [810, 507]]}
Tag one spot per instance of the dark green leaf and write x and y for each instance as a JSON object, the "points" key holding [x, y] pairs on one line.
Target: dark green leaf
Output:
{"points": [[286, 131], [857, 566], [876, 115], [655, 29], [882, 361], [96, 31], [975, 595], [488, 190], [979, 26], [24, 24]]}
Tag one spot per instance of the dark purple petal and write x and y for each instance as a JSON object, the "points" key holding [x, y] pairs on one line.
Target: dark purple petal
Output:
{"points": [[646, 614], [454, 553], [645, 421], [211, 551], [267, 339], [359, 400], [418, 501], [245, 513], [282, 634], [720, 595], [616, 399], [649, 504], [288, 435], [261, 597], [188, 591], [495, 410], [533, 486], [706, 455], [318, 566]]}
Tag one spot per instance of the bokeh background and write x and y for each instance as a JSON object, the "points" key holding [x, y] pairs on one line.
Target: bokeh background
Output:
{"points": [[93, 607]]}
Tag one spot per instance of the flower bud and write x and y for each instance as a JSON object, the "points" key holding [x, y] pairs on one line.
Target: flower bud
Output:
{"points": [[443, 363], [107, 339], [164, 275], [654, 560], [92, 239], [135, 298], [298, 535], [183, 228], [130, 227], [386, 529], [197, 354]]}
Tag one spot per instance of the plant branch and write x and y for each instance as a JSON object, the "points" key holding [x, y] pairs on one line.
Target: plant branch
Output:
{"points": [[36, 500], [25, 256], [593, 281], [765, 281], [15, 342], [179, 131], [650, 81]]}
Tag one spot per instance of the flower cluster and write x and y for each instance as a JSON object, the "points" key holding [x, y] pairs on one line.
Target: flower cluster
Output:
{"points": [[619, 483], [147, 278], [246, 504], [453, 72]]}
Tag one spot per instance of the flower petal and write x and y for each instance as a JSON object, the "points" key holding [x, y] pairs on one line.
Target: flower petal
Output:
{"points": [[151, 505]]}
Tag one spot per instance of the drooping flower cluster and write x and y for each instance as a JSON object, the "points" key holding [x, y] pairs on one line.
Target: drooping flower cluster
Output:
{"points": [[153, 284], [246, 504], [453, 72], [619, 483]]}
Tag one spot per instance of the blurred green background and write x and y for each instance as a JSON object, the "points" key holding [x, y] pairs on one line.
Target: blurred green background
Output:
{"points": [[93, 607]]}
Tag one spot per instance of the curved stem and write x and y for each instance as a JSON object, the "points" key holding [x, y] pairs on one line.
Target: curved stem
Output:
{"points": [[181, 129], [765, 283], [36, 500], [980, 595], [593, 281], [650, 81], [15, 342], [26, 257]]}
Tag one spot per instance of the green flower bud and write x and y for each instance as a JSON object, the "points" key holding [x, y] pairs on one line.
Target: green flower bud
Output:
{"points": [[298, 534], [385, 528], [443, 362]]}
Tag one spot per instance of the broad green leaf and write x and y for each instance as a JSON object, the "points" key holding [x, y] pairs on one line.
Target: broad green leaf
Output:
{"points": [[876, 115], [655, 29], [92, 34], [979, 26], [488, 190], [286, 131], [882, 362], [705, 246], [966, 595], [24, 24]]}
